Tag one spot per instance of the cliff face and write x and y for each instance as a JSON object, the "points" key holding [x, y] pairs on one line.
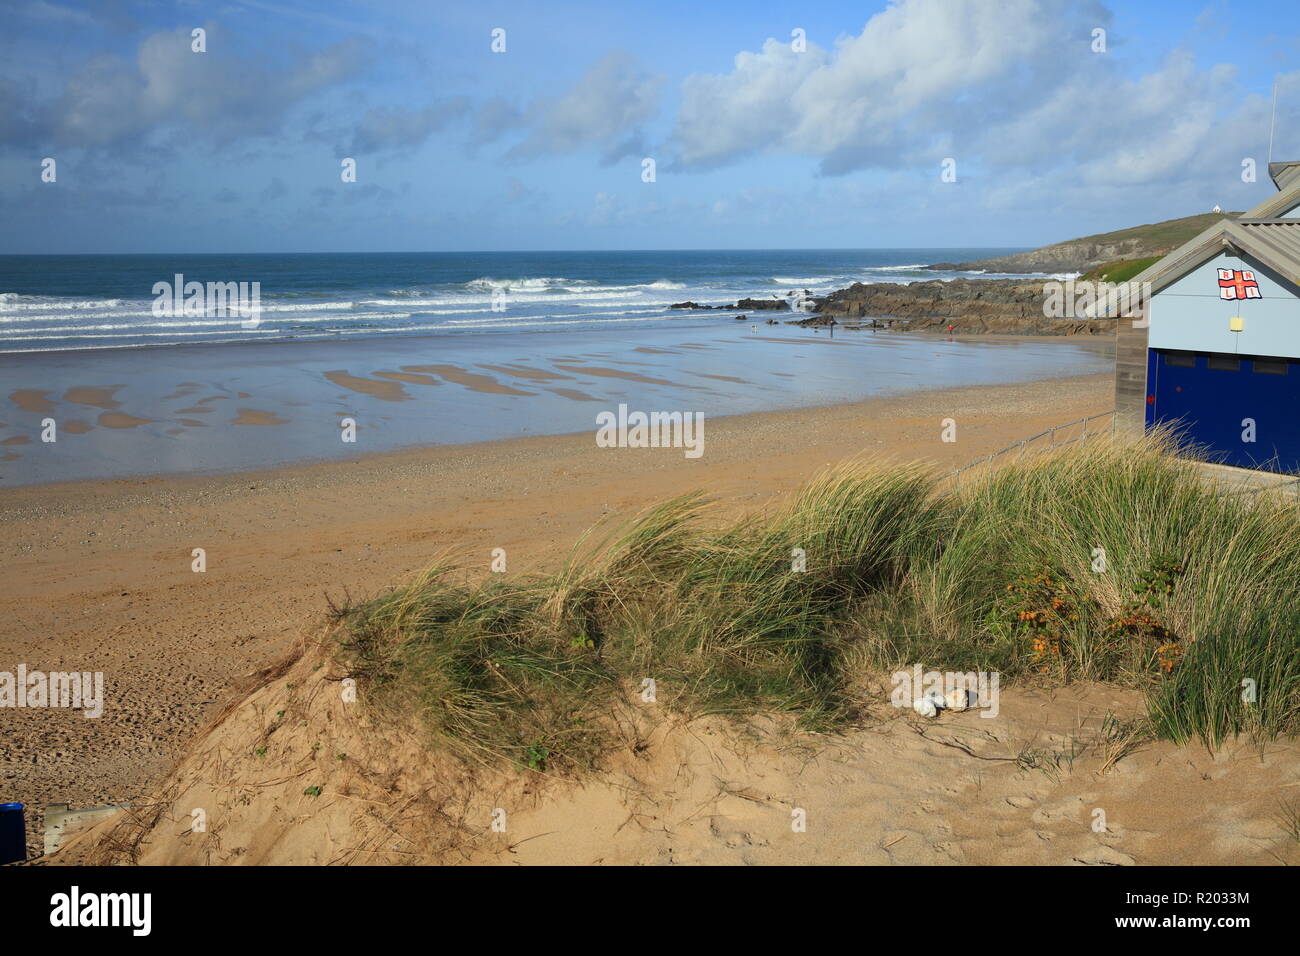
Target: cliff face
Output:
{"points": [[970, 305], [1080, 255], [1077, 255]]}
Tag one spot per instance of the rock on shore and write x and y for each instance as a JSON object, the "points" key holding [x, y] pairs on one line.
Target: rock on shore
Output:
{"points": [[971, 305], [751, 305]]}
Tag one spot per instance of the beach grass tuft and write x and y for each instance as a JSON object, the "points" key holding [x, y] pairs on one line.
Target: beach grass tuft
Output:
{"points": [[1105, 561]]}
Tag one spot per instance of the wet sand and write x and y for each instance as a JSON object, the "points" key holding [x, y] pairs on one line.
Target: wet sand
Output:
{"points": [[98, 574], [209, 409]]}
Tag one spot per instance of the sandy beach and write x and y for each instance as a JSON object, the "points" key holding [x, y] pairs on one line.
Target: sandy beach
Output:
{"points": [[99, 573]]}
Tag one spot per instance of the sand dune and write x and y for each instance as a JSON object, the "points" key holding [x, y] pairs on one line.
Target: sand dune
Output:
{"points": [[295, 774]]}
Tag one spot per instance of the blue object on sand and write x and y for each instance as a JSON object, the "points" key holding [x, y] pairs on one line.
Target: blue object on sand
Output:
{"points": [[13, 833]]}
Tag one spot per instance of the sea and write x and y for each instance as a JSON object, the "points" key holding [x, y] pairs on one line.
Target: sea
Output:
{"points": [[70, 302]]}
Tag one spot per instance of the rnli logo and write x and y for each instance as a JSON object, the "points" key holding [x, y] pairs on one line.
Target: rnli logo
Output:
{"points": [[1238, 284]]}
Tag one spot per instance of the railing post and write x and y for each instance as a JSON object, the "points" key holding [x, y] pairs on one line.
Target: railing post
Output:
{"points": [[1051, 443]]}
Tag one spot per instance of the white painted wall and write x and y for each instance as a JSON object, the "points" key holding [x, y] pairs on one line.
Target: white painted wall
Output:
{"points": [[1190, 315]]}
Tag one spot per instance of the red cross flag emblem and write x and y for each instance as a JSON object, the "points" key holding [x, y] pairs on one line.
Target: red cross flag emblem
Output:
{"points": [[1238, 284]]}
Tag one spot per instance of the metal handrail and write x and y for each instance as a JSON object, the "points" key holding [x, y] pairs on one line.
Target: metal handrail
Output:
{"points": [[1052, 443]]}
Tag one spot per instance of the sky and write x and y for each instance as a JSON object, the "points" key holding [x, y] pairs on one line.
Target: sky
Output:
{"points": [[912, 124]]}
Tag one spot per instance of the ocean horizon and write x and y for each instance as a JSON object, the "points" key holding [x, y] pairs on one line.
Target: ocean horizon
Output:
{"points": [[98, 301]]}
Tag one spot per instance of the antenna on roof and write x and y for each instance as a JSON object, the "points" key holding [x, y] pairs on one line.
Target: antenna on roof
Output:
{"points": [[1272, 121]]}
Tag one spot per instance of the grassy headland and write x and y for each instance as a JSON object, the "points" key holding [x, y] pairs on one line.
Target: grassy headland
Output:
{"points": [[1148, 241], [1121, 271]]}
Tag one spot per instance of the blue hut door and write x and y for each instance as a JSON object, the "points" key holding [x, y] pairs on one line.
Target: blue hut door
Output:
{"points": [[1221, 401]]}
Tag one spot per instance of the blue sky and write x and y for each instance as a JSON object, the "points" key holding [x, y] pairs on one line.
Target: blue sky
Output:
{"points": [[756, 144]]}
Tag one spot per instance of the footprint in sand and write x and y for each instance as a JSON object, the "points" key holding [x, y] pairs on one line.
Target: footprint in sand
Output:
{"points": [[1104, 856], [733, 837]]}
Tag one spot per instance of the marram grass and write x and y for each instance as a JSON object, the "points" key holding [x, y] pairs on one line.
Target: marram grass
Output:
{"points": [[1107, 561]]}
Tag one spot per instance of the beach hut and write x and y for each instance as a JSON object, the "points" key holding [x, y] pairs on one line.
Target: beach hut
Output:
{"points": [[1216, 346]]}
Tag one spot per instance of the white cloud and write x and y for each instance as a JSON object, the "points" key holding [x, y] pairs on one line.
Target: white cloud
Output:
{"points": [[217, 94], [388, 128], [605, 108], [1009, 88], [903, 84]]}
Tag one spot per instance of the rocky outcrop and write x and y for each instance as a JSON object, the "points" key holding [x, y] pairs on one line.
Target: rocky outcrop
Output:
{"points": [[750, 305], [970, 305]]}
